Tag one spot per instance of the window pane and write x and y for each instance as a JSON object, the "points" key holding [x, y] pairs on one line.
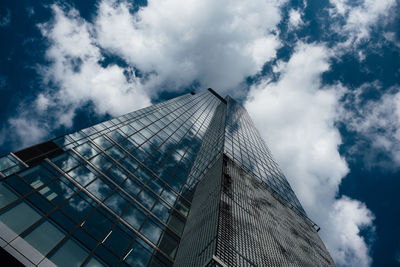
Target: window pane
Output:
{"points": [[71, 253], [102, 162], [19, 217], [102, 142], [128, 145], [98, 224], [169, 244], [45, 237], [138, 256], [118, 241], [143, 174], [117, 202], [99, 189], [177, 222], [6, 195], [87, 150], [83, 174], [66, 161], [151, 230], [147, 198], [135, 216], [37, 176], [116, 135], [156, 185], [93, 262], [169, 196], [117, 174], [161, 210], [115, 152], [77, 208], [131, 186], [6, 162]]}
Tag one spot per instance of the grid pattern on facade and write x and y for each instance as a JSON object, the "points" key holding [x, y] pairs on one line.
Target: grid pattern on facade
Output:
{"points": [[198, 243], [120, 192], [211, 148], [256, 229], [115, 196], [245, 146]]}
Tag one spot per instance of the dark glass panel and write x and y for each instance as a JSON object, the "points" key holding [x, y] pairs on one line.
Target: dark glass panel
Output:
{"points": [[147, 198], [83, 174], [169, 243], [143, 174], [135, 216], [19, 217], [169, 196], [71, 253], [100, 188], [132, 186], [7, 195], [156, 185], [77, 208], [103, 142], [118, 241], [177, 222], [152, 230], [107, 256], [45, 236], [85, 238], [129, 163], [138, 255], [118, 202], [117, 174], [102, 162], [98, 224], [161, 210], [128, 145], [116, 152], [87, 150]]}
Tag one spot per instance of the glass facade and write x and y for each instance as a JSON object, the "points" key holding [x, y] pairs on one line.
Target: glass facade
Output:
{"points": [[120, 192]]}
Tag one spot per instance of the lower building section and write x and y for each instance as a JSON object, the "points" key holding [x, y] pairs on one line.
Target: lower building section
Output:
{"points": [[254, 228]]}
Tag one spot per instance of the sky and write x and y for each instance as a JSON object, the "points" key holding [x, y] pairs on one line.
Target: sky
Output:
{"points": [[320, 79]]}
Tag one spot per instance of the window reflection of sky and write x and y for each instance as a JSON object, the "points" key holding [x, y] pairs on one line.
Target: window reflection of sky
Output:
{"points": [[148, 153]]}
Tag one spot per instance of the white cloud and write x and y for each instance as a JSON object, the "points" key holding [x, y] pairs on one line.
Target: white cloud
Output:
{"points": [[217, 43], [348, 217], [214, 43], [296, 116], [359, 18], [376, 122], [391, 37], [295, 20], [26, 132], [74, 78], [79, 76]]}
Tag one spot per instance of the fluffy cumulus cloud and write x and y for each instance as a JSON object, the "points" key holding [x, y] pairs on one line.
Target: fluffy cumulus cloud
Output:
{"points": [[377, 123], [172, 44], [358, 18], [216, 43], [296, 116], [295, 20], [76, 70]]}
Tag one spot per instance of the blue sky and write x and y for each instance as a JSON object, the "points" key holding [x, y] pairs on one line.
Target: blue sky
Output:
{"points": [[319, 78]]}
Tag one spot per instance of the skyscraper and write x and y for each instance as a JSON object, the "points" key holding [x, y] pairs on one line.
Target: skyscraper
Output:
{"points": [[186, 182]]}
